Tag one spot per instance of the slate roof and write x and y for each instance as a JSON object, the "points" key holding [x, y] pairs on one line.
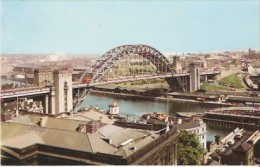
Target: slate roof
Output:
{"points": [[22, 119], [119, 135], [56, 123], [156, 121], [20, 136], [91, 115], [127, 151], [240, 145], [187, 125], [243, 147]]}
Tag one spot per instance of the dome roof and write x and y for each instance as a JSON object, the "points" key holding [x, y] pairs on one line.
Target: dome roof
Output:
{"points": [[113, 104]]}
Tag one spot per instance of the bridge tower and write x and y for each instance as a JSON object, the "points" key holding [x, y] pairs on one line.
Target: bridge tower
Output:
{"points": [[194, 77], [43, 77], [177, 64], [63, 91]]}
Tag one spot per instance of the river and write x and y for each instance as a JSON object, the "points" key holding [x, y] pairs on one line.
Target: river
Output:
{"points": [[136, 108]]}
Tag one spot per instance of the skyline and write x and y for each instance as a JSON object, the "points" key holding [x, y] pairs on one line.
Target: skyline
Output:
{"points": [[88, 27]]}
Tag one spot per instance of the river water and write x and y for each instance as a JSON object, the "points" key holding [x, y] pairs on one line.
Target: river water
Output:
{"points": [[136, 108]]}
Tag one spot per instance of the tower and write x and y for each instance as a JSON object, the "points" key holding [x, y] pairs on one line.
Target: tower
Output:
{"points": [[63, 91], [43, 77], [113, 108], [194, 77], [177, 64]]}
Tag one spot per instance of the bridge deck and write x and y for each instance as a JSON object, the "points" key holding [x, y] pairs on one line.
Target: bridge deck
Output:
{"points": [[11, 93]]}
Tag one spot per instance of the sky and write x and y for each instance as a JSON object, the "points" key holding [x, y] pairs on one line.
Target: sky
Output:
{"points": [[82, 26]]}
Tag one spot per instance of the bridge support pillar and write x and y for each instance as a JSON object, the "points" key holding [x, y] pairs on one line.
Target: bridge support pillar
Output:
{"points": [[176, 63], [46, 105], [63, 91], [206, 78], [52, 101], [42, 77], [178, 84], [194, 77]]}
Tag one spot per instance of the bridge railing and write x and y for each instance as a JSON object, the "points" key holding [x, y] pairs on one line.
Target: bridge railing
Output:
{"points": [[18, 89], [14, 92]]}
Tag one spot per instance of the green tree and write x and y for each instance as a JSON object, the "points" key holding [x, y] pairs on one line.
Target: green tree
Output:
{"points": [[189, 150]]}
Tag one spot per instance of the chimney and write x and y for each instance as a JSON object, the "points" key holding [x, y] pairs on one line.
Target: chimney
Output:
{"points": [[208, 145], [43, 121], [167, 127], [179, 121], [217, 139], [92, 127], [112, 116]]}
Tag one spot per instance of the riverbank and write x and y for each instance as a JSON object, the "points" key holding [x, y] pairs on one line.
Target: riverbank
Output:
{"points": [[150, 98]]}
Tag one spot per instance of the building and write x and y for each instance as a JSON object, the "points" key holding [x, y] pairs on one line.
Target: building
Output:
{"points": [[84, 138], [213, 63], [253, 54], [254, 70], [177, 66], [6, 66], [197, 127], [113, 108], [243, 151]]}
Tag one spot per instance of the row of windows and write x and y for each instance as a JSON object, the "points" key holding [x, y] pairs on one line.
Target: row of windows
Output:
{"points": [[197, 130]]}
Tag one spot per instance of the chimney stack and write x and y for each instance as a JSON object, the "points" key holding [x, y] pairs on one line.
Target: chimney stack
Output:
{"points": [[43, 121]]}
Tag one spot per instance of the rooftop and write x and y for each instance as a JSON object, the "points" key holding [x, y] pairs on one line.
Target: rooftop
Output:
{"points": [[188, 125], [91, 115], [243, 98], [21, 136], [241, 145], [25, 130]]}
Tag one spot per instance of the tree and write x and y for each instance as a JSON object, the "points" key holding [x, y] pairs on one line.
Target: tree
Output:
{"points": [[189, 150]]}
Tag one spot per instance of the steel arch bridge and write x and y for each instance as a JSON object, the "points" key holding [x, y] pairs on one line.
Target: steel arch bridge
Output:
{"points": [[110, 58]]}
